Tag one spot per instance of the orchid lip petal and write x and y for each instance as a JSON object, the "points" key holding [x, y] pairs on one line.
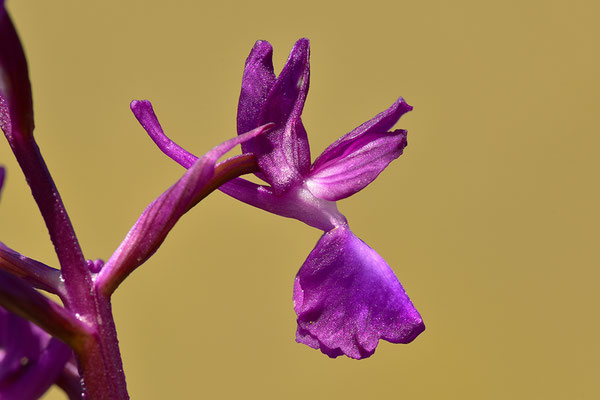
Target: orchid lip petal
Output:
{"points": [[347, 298]]}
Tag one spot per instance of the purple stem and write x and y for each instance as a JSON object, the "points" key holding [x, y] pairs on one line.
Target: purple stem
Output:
{"points": [[100, 359], [74, 269], [98, 353]]}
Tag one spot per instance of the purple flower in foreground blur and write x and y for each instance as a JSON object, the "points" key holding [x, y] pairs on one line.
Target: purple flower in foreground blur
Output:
{"points": [[346, 296], [30, 360]]}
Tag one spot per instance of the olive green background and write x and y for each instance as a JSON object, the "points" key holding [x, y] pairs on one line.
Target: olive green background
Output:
{"points": [[489, 219]]}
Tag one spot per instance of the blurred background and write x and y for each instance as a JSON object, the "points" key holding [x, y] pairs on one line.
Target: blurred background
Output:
{"points": [[489, 219]]}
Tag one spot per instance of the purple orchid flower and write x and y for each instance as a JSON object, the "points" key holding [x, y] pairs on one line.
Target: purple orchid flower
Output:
{"points": [[346, 296]]}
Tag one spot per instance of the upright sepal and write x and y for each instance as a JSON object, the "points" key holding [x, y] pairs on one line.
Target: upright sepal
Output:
{"points": [[16, 109], [347, 298], [257, 82], [283, 153]]}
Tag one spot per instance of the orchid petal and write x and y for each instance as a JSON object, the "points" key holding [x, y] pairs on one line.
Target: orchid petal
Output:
{"points": [[257, 82], [283, 154], [157, 220], [354, 164], [16, 108], [347, 298], [382, 122]]}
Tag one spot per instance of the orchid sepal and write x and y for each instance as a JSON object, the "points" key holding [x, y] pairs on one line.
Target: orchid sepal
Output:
{"points": [[353, 161], [382, 122], [144, 113], [283, 154], [356, 166], [257, 81]]}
